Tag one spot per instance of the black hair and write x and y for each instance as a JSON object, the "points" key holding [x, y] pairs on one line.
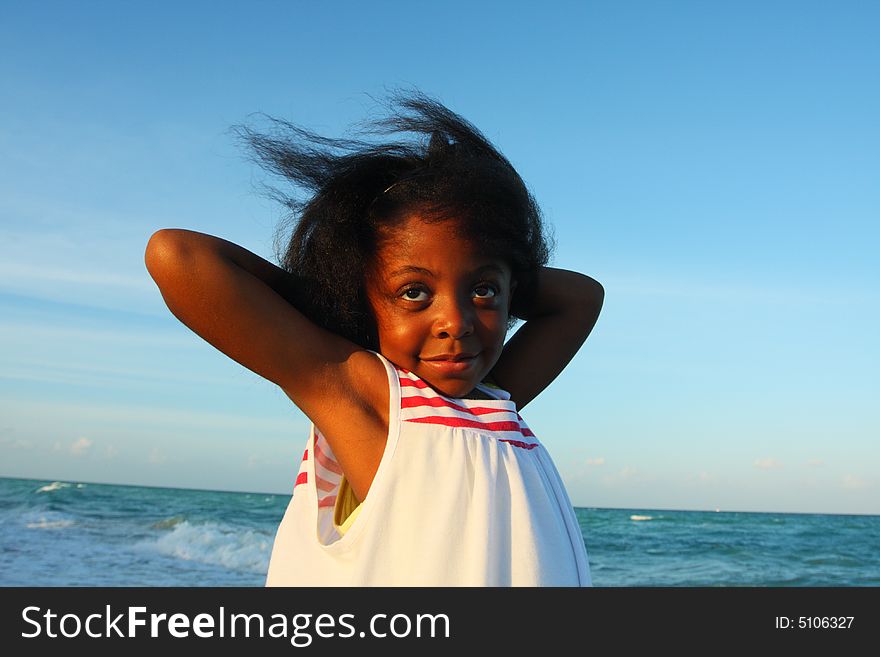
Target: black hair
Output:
{"points": [[357, 190]]}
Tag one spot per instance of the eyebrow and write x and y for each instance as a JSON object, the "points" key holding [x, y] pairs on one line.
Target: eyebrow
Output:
{"points": [[413, 269]]}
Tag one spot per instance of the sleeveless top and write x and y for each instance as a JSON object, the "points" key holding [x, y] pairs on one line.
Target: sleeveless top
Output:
{"points": [[465, 495]]}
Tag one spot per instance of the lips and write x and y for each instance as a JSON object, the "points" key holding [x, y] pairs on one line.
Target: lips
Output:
{"points": [[451, 364], [454, 358]]}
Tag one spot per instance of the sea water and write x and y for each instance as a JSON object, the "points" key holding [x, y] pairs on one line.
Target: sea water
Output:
{"points": [[67, 533]]}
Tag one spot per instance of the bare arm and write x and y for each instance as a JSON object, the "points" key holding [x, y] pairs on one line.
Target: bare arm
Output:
{"points": [[225, 294], [565, 309], [235, 300]]}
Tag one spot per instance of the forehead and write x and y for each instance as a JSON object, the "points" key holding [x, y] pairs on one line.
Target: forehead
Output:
{"points": [[436, 246]]}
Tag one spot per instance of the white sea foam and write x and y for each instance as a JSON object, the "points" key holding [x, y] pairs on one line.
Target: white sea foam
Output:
{"points": [[168, 523], [216, 544], [43, 523], [637, 518], [47, 520], [55, 485]]}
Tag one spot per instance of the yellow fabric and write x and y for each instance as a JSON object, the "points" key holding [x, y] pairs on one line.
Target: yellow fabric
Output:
{"points": [[346, 508]]}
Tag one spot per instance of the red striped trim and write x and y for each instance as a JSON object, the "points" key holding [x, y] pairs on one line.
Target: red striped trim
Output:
{"points": [[326, 462], [330, 500], [324, 484], [413, 383], [406, 382], [306, 454], [439, 402], [519, 443], [301, 478], [473, 424]]}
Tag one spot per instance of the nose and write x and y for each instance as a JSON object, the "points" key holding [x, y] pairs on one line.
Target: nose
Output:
{"points": [[454, 319]]}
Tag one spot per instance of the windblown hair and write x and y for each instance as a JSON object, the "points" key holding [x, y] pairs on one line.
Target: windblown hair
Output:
{"points": [[357, 191]]}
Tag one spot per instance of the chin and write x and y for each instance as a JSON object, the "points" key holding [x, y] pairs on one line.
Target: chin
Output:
{"points": [[452, 387], [456, 391]]}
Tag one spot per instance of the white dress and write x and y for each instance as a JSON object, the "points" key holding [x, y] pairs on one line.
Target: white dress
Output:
{"points": [[464, 495]]}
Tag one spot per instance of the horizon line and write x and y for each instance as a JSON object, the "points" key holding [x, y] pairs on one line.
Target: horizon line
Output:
{"points": [[587, 507]]}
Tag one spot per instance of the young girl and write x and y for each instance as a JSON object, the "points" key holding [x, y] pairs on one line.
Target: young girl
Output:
{"points": [[386, 326]]}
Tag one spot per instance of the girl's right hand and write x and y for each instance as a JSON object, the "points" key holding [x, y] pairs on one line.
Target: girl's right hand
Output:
{"points": [[233, 299]]}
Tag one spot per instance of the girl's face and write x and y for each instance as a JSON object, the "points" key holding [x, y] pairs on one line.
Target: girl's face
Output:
{"points": [[440, 304]]}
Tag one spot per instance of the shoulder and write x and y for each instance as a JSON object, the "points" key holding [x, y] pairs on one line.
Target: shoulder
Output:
{"points": [[367, 380], [355, 385], [352, 413]]}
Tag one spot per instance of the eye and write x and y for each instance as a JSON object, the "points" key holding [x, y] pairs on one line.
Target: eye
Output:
{"points": [[415, 294], [485, 291]]}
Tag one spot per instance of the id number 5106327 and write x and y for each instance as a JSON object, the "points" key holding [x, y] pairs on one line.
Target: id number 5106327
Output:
{"points": [[814, 622]]}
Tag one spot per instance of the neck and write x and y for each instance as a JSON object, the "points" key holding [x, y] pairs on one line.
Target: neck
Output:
{"points": [[476, 393]]}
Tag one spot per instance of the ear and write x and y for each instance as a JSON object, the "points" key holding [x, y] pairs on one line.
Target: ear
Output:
{"points": [[510, 296]]}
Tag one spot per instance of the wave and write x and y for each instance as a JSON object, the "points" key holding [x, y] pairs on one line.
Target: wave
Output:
{"points": [[49, 524], [214, 544], [55, 485], [47, 520], [168, 523], [638, 518]]}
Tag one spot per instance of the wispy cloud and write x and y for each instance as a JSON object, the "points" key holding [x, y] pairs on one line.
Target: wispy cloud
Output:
{"points": [[854, 482], [63, 335], [157, 457], [152, 417], [596, 461], [624, 475], [20, 275], [658, 286], [75, 263], [13, 442], [267, 459], [92, 375], [767, 464], [81, 446]]}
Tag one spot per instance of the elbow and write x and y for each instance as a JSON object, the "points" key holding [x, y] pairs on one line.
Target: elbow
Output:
{"points": [[165, 249], [598, 292], [592, 294], [591, 300], [155, 252]]}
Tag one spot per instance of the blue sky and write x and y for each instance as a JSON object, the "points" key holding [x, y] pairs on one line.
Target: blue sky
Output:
{"points": [[714, 165]]}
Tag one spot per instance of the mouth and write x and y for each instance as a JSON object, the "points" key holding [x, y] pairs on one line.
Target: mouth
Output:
{"points": [[451, 363], [453, 358]]}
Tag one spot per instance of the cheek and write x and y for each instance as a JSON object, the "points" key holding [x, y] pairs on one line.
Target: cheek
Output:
{"points": [[383, 316], [494, 326], [400, 332]]}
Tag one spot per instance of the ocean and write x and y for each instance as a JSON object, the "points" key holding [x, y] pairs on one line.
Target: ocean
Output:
{"points": [[67, 533]]}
